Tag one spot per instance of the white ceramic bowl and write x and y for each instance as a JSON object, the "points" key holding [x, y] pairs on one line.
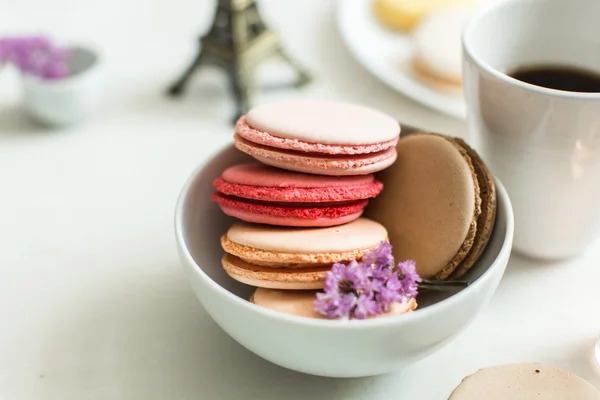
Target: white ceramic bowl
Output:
{"points": [[324, 347], [69, 100]]}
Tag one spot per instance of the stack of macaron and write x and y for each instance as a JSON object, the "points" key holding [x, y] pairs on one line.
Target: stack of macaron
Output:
{"points": [[300, 204], [331, 181]]}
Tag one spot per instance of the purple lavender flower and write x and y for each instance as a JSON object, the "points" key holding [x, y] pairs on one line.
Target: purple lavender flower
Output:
{"points": [[359, 290], [409, 278], [365, 306], [360, 276], [380, 256], [391, 292], [335, 305], [386, 297], [334, 277], [35, 56]]}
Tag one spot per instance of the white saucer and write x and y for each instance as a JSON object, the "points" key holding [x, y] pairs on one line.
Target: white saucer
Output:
{"points": [[386, 55]]}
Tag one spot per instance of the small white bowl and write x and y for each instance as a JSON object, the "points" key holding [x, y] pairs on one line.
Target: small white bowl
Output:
{"points": [[329, 348], [68, 100]]}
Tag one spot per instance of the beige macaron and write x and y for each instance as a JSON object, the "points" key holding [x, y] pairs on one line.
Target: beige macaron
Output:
{"points": [[522, 382], [289, 258], [438, 205], [437, 54], [440, 84], [301, 303]]}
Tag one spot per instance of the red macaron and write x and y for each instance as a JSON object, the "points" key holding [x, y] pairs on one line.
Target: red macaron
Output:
{"points": [[266, 195]]}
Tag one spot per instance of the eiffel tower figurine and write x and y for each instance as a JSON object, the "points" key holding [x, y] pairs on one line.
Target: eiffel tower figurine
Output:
{"points": [[238, 42]]}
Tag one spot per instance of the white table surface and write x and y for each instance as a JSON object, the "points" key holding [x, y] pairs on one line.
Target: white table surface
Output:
{"points": [[93, 304]]}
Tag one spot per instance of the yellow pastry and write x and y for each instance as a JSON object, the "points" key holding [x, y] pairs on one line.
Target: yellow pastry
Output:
{"points": [[404, 15]]}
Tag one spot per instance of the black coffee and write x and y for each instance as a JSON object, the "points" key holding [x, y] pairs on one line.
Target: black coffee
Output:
{"points": [[560, 78]]}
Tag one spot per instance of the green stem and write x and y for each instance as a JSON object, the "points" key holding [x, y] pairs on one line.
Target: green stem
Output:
{"points": [[442, 285]]}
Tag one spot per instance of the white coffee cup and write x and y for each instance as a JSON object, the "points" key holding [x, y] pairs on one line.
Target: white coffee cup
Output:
{"points": [[543, 144]]}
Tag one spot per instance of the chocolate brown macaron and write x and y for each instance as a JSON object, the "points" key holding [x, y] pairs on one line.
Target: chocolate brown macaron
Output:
{"points": [[438, 205]]}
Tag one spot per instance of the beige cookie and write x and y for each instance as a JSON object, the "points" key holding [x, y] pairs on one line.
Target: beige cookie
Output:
{"points": [[523, 382], [431, 205], [277, 278]]}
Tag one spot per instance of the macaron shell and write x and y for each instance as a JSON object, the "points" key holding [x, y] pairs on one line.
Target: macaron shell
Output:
{"points": [[274, 278], [430, 205], [437, 42], [450, 87], [256, 174], [266, 139], [324, 122], [305, 211], [301, 303], [487, 218], [299, 195], [271, 219], [261, 182], [361, 164], [274, 259], [315, 166], [348, 238], [523, 381]]}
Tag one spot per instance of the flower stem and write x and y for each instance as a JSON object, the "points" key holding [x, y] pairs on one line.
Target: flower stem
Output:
{"points": [[426, 284]]}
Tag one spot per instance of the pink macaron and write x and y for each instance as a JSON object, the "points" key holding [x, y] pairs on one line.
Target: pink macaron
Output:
{"points": [[319, 137], [262, 194]]}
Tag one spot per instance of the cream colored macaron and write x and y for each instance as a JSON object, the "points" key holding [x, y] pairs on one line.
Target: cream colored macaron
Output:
{"points": [[523, 382], [291, 258], [301, 303], [437, 58]]}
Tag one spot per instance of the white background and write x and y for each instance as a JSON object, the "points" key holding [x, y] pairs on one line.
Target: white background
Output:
{"points": [[93, 304]]}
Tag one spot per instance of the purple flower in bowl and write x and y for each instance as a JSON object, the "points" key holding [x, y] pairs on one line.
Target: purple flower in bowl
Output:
{"points": [[367, 288], [61, 85], [370, 286], [36, 56]]}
